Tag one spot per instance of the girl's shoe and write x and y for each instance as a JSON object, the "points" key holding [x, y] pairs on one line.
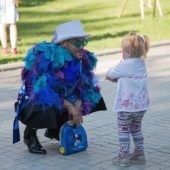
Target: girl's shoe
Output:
{"points": [[14, 51], [122, 161], [137, 159]]}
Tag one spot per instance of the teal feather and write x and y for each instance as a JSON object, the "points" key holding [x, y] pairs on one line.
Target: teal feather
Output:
{"points": [[92, 96], [93, 61], [40, 83], [55, 53], [60, 56], [29, 59]]}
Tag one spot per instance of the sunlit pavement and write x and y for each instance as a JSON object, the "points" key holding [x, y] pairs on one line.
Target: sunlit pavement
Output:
{"points": [[101, 126]]}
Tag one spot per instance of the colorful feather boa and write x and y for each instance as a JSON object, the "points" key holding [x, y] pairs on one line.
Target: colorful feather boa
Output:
{"points": [[52, 74]]}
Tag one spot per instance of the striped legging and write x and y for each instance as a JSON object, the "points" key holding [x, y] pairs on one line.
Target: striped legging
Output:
{"points": [[130, 123]]}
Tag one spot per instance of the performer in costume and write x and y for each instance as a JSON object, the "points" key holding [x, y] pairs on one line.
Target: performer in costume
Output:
{"points": [[58, 84]]}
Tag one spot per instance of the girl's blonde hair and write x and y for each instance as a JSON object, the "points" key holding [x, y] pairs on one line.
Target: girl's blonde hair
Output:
{"points": [[136, 45]]}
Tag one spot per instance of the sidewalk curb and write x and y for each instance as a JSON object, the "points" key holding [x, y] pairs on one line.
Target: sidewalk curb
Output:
{"points": [[19, 65]]}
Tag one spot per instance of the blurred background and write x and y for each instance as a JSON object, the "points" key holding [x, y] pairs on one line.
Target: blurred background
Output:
{"points": [[101, 18]]}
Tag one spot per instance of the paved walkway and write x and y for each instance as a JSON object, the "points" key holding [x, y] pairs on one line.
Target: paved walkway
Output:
{"points": [[101, 126]]}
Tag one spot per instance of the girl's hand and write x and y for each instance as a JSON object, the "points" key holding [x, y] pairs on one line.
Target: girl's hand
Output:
{"points": [[112, 80]]}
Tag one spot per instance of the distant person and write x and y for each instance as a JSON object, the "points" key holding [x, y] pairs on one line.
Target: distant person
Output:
{"points": [[8, 18], [58, 85], [131, 100]]}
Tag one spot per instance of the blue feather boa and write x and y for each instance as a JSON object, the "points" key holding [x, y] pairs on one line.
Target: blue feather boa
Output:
{"points": [[54, 75]]}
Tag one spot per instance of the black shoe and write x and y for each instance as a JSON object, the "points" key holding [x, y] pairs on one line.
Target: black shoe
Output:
{"points": [[52, 134], [34, 145]]}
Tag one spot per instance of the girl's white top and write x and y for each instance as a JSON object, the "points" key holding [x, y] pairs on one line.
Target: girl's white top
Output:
{"points": [[131, 93], [8, 12]]}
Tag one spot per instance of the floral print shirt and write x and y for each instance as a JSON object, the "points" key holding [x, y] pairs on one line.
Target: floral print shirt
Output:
{"points": [[131, 92]]}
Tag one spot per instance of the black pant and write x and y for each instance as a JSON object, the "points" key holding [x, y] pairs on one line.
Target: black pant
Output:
{"points": [[52, 133]]}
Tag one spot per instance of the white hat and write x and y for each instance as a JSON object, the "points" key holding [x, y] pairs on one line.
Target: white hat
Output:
{"points": [[69, 30]]}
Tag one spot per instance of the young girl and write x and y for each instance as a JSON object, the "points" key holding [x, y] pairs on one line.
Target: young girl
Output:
{"points": [[131, 100], [8, 18]]}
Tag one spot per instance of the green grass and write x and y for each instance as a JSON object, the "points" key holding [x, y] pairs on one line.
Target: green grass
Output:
{"points": [[38, 20]]}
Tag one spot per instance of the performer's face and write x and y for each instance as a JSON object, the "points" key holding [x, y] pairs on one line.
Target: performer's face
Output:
{"points": [[76, 46]]}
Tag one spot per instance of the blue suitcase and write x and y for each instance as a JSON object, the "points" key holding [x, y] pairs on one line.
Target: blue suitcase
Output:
{"points": [[73, 139]]}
